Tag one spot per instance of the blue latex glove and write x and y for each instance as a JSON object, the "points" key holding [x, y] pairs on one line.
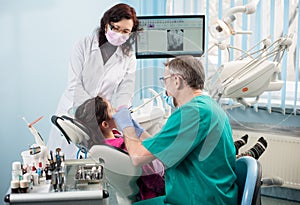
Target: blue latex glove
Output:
{"points": [[123, 118], [138, 129]]}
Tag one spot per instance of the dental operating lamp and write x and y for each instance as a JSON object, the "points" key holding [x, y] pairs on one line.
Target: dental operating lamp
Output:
{"points": [[222, 29]]}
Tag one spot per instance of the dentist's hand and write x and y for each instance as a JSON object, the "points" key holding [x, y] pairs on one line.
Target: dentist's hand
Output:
{"points": [[138, 129], [123, 118]]}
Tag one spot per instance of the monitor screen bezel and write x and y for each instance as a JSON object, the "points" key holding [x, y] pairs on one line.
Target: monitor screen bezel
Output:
{"points": [[166, 55]]}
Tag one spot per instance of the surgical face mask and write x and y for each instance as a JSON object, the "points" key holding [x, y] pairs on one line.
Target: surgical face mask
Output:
{"points": [[169, 100], [116, 38]]}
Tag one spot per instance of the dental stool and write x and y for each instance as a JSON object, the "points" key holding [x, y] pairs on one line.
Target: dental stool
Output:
{"points": [[118, 169], [249, 180]]}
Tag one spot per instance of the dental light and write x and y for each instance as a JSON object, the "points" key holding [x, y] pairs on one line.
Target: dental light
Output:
{"points": [[251, 74], [222, 29]]}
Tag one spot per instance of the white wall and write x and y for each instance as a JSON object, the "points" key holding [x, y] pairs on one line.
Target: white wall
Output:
{"points": [[36, 38]]}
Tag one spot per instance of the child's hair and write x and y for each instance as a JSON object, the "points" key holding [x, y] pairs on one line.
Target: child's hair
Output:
{"points": [[91, 114]]}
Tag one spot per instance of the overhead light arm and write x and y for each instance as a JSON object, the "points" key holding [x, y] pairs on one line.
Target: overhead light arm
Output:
{"points": [[222, 29]]}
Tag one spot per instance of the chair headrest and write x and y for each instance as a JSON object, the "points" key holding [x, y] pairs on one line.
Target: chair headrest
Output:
{"points": [[72, 130]]}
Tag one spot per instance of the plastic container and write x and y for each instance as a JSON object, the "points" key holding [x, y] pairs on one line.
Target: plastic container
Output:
{"points": [[27, 158]]}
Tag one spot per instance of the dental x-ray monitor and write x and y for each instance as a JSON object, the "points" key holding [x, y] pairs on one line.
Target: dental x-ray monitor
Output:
{"points": [[170, 36]]}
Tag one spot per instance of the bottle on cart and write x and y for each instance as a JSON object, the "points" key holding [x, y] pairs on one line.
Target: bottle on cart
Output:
{"points": [[24, 186], [15, 186]]}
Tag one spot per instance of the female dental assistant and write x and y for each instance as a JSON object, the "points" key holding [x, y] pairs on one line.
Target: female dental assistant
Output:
{"points": [[101, 64]]}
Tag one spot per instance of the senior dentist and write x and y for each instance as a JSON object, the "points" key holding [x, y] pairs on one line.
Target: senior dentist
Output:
{"points": [[195, 145]]}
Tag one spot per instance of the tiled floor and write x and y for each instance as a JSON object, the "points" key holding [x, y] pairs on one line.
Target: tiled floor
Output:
{"points": [[273, 201]]}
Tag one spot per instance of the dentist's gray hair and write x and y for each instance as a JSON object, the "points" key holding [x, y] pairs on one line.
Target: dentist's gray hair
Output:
{"points": [[190, 69]]}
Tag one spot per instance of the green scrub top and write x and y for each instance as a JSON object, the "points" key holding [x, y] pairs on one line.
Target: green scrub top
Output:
{"points": [[197, 148]]}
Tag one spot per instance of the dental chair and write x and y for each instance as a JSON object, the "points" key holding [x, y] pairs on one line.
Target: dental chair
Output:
{"points": [[73, 131], [118, 169]]}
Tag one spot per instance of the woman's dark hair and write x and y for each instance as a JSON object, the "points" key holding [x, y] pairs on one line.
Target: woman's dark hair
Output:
{"points": [[91, 114], [115, 14]]}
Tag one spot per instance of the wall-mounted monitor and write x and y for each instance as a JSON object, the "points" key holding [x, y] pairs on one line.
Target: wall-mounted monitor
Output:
{"points": [[170, 36]]}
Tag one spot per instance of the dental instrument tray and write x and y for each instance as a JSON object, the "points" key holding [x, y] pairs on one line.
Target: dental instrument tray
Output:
{"points": [[83, 174]]}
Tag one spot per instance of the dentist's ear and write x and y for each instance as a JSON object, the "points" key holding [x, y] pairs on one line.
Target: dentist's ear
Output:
{"points": [[178, 82]]}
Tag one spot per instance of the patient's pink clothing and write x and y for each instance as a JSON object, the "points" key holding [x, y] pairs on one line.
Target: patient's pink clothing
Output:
{"points": [[116, 142], [151, 183]]}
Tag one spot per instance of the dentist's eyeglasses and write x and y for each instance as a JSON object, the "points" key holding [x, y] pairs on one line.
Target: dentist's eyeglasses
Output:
{"points": [[163, 79], [118, 30]]}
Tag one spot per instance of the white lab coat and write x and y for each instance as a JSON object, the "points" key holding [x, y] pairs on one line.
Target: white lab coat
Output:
{"points": [[89, 77]]}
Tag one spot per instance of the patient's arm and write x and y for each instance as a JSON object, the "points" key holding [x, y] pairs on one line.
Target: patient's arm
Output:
{"points": [[138, 153]]}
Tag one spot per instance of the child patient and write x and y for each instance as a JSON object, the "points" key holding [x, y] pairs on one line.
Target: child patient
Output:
{"points": [[96, 114]]}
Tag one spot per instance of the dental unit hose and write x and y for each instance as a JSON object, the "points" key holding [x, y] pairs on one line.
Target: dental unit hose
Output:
{"points": [[148, 101]]}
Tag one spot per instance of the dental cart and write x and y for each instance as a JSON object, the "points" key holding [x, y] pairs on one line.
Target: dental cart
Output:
{"points": [[83, 183]]}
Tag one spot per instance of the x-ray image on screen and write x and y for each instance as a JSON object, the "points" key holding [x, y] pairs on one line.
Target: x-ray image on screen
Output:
{"points": [[175, 39], [170, 36]]}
